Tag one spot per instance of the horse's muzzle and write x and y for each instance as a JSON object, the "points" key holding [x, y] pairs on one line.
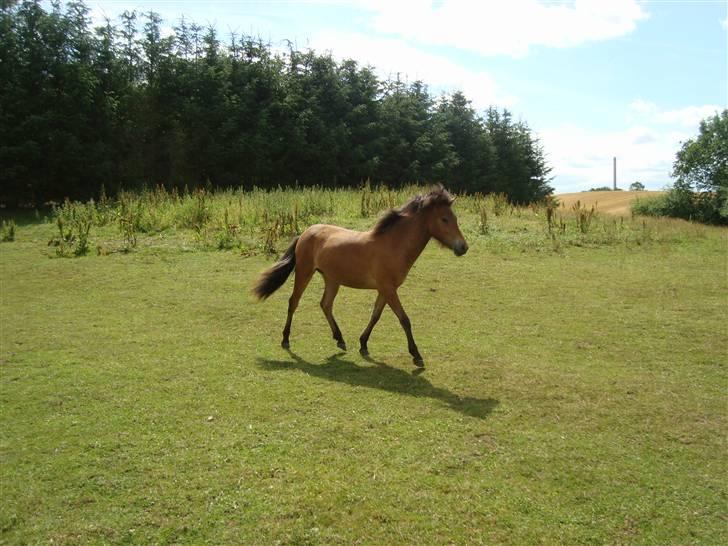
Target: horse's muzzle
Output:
{"points": [[460, 248]]}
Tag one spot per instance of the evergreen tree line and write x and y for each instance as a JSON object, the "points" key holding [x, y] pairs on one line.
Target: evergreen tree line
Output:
{"points": [[123, 106]]}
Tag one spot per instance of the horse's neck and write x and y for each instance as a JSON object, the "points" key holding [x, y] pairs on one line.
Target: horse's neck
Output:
{"points": [[413, 238]]}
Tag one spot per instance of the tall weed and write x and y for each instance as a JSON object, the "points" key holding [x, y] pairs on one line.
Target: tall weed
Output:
{"points": [[74, 221], [583, 216], [373, 201], [129, 218], [7, 231], [500, 203], [194, 212], [482, 210], [260, 220]]}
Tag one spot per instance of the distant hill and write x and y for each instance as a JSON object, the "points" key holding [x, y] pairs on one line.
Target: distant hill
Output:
{"points": [[611, 202]]}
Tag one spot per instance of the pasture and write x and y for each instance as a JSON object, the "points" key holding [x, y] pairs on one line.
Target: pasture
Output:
{"points": [[573, 391]]}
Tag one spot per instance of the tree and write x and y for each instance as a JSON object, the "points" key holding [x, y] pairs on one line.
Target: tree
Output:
{"points": [[362, 115], [703, 161], [700, 191], [521, 171], [402, 138], [126, 106], [702, 164], [636, 186], [469, 161]]}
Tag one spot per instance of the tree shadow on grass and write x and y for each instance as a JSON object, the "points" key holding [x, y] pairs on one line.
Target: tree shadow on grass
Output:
{"points": [[384, 377]]}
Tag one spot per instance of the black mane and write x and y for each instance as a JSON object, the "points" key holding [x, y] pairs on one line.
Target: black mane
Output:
{"points": [[438, 196]]}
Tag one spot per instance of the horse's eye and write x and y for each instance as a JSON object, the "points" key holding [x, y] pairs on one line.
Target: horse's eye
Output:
{"points": [[445, 220]]}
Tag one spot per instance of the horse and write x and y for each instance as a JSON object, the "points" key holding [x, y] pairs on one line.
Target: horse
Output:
{"points": [[378, 259]]}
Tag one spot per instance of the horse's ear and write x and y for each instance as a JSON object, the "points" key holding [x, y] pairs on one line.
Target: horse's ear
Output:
{"points": [[452, 199]]}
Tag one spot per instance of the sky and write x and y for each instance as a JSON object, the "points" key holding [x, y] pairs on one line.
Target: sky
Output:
{"points": [[593, 79]]}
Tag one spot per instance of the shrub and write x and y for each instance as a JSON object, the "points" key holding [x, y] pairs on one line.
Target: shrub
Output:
{"points": [[195, 212], [7, 231], [74, 221], [681, 202]]}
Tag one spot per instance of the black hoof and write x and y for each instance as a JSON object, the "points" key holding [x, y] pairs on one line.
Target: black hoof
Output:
{"points": [[418, 361], [285, 344], [341, 345], [364, 351]]}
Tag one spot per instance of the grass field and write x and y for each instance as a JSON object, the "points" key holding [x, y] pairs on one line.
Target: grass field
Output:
{"points": [[574, 389]]}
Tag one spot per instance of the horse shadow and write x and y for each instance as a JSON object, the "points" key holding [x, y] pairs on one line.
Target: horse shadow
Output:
{"points": [[384, 377]]}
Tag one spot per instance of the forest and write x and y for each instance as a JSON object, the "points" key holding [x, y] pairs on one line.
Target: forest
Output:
{"points": [[124, 106]]}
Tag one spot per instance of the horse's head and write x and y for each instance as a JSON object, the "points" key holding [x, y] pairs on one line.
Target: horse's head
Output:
{"points": [[442, 222]]}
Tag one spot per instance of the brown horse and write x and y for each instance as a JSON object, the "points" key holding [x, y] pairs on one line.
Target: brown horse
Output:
{"points": [[378, 259]]}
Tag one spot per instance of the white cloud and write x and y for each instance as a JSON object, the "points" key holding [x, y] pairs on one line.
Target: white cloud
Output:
{"points": [[582, 158], [645, 149], [390, 57], [643, 107], [505, 27], [687, 117]]}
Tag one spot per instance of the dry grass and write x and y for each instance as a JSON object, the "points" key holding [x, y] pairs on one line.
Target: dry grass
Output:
{"points": [[609, 202]]}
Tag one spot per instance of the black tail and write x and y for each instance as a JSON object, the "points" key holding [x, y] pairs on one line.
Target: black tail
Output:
{"points": [[274, 277]]}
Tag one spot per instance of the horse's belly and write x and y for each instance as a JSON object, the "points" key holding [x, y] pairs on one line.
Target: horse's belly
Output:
{"points": [[358, 282], [352, 273]]}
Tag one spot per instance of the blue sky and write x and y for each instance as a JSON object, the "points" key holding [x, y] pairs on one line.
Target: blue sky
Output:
{"points": [[593, 79]]}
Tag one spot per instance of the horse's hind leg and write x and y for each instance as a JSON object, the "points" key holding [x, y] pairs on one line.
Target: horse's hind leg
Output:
{"points": [[376, 313], [327, 305], [303, 277]]}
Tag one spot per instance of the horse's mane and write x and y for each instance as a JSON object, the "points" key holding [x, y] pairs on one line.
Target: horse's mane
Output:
{"points": [[438, 196]]}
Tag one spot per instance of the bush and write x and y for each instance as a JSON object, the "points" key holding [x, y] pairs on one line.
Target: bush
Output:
{"points": [[681, 202], [74, 221], [195, 212], [652, 206], [702, 164]]}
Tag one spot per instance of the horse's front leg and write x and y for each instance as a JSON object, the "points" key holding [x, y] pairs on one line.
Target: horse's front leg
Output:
{"points": [[376, 313], [392, 300]]}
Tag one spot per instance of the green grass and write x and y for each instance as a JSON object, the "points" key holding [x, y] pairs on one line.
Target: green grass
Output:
{"points": [[574, 389]]}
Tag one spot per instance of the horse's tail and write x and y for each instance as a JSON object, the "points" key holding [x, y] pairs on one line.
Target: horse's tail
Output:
{"points": [[274, 277]]}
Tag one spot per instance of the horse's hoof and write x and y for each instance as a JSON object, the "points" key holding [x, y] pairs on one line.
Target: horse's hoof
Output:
{"points": [[364, 351], [418, 361], [341, 345], [285, 344]]}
